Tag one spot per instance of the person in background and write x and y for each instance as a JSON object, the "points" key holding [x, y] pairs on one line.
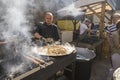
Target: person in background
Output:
{"points": [[83, 31], [90, 26], [86, 31], [109, 29], [47, 29], [115, 42]]}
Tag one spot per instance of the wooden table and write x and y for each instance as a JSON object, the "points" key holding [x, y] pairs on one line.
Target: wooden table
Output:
{"points": [[49, 71]]}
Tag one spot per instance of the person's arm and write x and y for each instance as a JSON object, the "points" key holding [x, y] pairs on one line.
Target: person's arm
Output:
{"points": [[107, 36], [89, 30], [56, 33], [37, 31], [118, 27], [116, 41]]}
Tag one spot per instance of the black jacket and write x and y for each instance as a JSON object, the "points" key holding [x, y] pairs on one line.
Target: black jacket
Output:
{"points": [[48, 31]]}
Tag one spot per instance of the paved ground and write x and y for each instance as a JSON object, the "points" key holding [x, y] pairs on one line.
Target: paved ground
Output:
{"points": [[100, 69]]}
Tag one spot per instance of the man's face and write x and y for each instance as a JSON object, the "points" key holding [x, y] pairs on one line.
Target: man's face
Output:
{"points": [[48, 19], [87, 22], [115, 18]]}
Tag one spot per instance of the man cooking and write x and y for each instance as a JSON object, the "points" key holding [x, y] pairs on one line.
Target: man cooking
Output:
{"points": [[47, 29]]}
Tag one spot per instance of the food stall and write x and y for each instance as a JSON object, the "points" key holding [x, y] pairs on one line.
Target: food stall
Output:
{"points": [[42, 64]]}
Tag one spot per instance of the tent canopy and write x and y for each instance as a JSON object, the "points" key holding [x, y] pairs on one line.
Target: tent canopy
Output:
{"points": [[115, 4], [91, 6]]}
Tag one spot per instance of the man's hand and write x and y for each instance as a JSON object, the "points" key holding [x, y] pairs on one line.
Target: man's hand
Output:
{"points": [[49, 40], [37, 35]]}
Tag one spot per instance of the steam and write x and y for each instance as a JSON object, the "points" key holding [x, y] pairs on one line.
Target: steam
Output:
{"points": [[15, 29], [70, 10], [15, 23], [12, 69]]}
